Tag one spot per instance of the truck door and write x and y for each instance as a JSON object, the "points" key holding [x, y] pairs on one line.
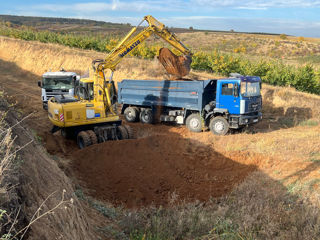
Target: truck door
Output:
{"points": [[229, 97]]}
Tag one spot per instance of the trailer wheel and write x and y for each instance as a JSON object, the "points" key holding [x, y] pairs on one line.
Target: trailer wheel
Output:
{"points": [[219, 126], [83, 140], [93, 136], [194, 123], [123, 132], [131, 114], [146, 116]]}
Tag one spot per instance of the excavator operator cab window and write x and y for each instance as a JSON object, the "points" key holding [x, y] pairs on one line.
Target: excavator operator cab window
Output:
{"points": [[90, 90], [84, 91]]}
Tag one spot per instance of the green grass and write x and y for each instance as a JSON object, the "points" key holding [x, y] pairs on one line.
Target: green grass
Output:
{"points": [[309, 122]]}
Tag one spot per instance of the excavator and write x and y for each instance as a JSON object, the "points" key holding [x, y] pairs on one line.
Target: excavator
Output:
{"points": [[90, 114]]}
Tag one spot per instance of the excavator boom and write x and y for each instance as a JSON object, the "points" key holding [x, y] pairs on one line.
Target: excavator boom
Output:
{"points": [[131, 41]]}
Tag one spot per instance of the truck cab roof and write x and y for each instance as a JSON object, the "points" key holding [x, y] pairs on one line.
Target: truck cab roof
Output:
{"points": [[59, 74], [243, 79]]}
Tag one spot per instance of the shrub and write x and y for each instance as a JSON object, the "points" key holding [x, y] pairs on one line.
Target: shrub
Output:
{"points": [[283, 36]]}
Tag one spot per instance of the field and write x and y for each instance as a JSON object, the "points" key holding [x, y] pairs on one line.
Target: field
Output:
{"points": [[169, 183], [279, 60]]}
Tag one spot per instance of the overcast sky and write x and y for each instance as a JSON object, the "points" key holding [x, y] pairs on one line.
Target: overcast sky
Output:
{"points": [[295, 17]]}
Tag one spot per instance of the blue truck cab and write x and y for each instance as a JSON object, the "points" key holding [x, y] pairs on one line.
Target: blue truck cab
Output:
{"points": [[220, 105]]}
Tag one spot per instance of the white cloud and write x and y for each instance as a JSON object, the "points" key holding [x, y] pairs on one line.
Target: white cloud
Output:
{"points": [[256, 4], [114, 5]]}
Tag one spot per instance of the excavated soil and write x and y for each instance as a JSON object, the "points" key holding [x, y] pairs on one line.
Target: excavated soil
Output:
{"points": [[149, 170]]}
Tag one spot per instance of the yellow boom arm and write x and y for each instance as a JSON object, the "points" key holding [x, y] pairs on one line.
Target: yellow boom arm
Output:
{"points": [[128, 43], [103, 89]]}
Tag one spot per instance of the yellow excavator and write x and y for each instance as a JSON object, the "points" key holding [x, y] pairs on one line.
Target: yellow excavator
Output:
{"points": [[90, 115]]}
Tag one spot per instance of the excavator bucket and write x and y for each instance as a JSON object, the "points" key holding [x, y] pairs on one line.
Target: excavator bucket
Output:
{"points": [[177, 66]]}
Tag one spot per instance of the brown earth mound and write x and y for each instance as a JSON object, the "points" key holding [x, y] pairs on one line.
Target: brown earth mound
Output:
{"points": [[149, 170]]}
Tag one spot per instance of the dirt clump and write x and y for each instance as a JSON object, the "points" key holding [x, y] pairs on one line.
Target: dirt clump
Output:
{"points": [[148, 170]]}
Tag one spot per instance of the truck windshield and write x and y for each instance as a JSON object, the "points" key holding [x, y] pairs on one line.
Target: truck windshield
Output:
{"points": [[57, 83], [250, 89]]}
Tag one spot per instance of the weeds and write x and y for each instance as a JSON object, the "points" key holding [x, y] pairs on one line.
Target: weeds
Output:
{"points": [[315, 157], [309, 123]]}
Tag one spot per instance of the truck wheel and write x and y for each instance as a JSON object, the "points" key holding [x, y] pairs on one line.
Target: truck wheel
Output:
{"points": [[83, 140], [123, 132], [194, 123], [93, 136], [131, 114], [219, 126], [45, 106], [146, 116]]}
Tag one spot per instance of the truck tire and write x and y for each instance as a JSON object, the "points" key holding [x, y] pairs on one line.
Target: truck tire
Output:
{"points": [[83, 140], [131, 114], [123, 132], [93, 136], [146, 116], [194, 123], [219, 126]]}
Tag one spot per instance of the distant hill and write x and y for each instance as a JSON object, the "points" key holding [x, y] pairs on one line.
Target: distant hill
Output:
{"points": [[85, 26]]}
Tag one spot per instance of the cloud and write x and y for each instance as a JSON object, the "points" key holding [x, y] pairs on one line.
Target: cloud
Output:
{"points": [[256, 4], [114, 5]]}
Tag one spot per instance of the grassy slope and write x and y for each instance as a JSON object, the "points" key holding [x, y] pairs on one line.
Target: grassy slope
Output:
{"points": [[279, 201]]}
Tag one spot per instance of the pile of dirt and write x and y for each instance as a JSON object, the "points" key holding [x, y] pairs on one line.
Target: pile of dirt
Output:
{"points": [[40, 187], [149, 170]]}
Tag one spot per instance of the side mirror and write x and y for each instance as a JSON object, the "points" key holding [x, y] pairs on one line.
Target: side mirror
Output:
{"points": [[236, 90], [39, 84]]}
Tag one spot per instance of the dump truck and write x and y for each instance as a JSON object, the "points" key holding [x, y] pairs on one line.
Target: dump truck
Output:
{"points": [[220, 105], [56, 83]]}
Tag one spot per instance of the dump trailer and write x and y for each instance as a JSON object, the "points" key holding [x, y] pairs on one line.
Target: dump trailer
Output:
{"points": [[220, 105]]}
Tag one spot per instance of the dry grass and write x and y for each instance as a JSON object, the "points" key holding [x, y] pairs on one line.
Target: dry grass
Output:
{"points": [[279, 201], [290, 49]]}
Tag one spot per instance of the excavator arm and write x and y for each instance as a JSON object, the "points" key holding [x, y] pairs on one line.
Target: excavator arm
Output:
{"points": [[179, 66], [130, 42]]}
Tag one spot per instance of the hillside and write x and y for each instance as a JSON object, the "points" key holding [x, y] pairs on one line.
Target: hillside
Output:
{"points": [[265, 181]]}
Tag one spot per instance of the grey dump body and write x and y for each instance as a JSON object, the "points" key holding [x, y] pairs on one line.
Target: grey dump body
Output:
{"points": [[215, 104], [191, 95]]}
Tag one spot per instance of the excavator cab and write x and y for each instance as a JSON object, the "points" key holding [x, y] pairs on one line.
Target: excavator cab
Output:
{"points": [[84, 90]]}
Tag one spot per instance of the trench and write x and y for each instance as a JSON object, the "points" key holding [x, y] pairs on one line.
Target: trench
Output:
{"points": [[150, 170]]}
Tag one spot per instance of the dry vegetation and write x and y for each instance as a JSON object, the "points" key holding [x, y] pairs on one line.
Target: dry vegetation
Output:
{"points": [[287, 48], [34, 192], [280, 200]]}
